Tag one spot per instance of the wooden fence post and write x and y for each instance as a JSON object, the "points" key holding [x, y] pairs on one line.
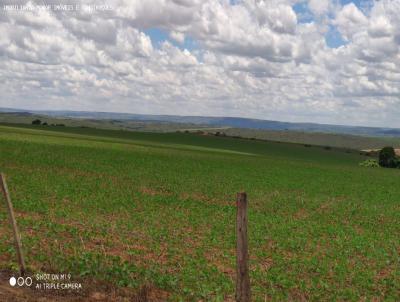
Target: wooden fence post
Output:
{"points": [[242, 255], [18, 244]]}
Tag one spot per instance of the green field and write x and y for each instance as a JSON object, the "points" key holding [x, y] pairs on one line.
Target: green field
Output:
{"points": [[355, 142], [144, 208]]}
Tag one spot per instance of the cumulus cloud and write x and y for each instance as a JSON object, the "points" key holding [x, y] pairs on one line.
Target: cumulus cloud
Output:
{"points": [[351, 21], [251, 58], [319, 7]]}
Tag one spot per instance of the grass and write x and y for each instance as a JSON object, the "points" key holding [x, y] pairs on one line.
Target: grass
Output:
{"points": [[136, 208]]}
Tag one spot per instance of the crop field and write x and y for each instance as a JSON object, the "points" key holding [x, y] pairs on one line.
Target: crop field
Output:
{"points": [[133, 208], [108, 124]]}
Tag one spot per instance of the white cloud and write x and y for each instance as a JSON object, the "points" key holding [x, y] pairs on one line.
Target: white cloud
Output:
{"points": [[351, 21], [380, 27], [319, 7], [177, 36], [253, 58]]}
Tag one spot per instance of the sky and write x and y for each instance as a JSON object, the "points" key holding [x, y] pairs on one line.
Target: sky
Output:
{"points": [[323, 61]]}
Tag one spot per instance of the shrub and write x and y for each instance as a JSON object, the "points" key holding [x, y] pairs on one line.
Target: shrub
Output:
{"points": [[36, 122], [387, 158], [369, 163]]}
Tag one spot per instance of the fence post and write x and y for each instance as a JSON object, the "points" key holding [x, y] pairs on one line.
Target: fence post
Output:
{"points": [[242, 255], [13, 222]]}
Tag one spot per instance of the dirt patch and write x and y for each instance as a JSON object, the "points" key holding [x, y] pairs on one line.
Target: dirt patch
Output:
{"points": [[216, 259], [92, 291], [326, 206], [265, 264], [154, 192], [301, 214], [383, 274]]}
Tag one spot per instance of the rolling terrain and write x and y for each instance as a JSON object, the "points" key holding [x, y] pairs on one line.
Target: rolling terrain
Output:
{"points": [[135, 208], [232, 122], [337, 140]]}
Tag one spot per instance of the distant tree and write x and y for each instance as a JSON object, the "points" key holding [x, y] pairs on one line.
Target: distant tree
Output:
{"points": [[44, 124], [36, 122], [387, 158]]}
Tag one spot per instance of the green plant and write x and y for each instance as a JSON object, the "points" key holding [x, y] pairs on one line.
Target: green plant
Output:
{"points": [[387, 158], [373, 163], [139, 208]]}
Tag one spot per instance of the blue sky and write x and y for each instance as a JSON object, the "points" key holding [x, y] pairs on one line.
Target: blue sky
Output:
{"points": [[158, 36]]}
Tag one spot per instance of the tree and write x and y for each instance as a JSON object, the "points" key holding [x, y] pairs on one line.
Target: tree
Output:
{"points": [[36, 122], [387, 158]]}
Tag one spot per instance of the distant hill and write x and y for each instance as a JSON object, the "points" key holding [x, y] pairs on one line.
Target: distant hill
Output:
{"points": [[84, 120], [235, 122]]}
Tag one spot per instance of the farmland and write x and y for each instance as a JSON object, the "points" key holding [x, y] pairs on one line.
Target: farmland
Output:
{"points": [[337, 140], [134, 208]]}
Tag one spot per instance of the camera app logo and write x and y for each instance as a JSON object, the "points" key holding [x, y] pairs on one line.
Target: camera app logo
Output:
{"points": [[21, 281]]}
